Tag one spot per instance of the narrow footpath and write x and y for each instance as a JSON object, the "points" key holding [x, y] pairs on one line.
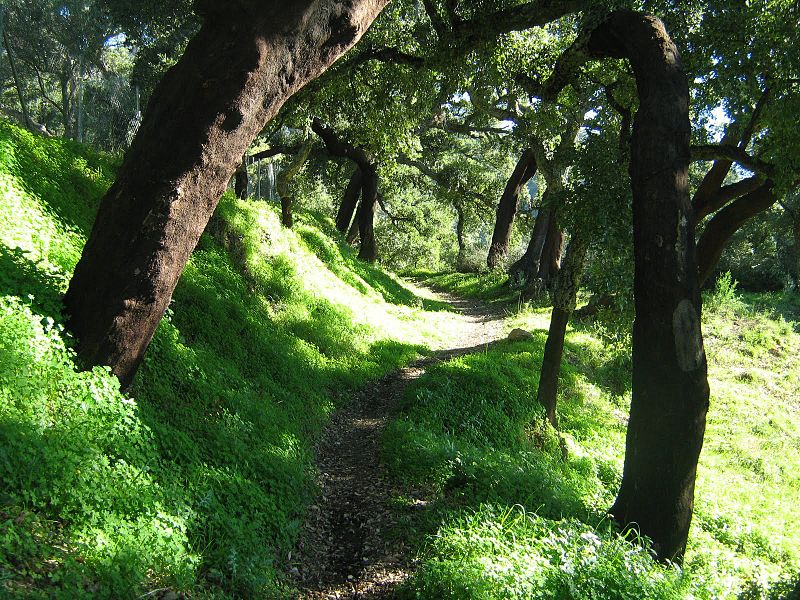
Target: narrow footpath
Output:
{"points": [[345, 551]]}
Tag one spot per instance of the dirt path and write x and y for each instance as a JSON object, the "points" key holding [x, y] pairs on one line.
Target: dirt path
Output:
{"points": [[344, 551]]}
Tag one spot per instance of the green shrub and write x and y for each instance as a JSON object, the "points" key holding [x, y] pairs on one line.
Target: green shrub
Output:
{"points": [[724, 294]]}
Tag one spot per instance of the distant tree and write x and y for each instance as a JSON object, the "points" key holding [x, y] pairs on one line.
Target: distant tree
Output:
{"points": [[59, 47], [507, 208], [368, 180]]}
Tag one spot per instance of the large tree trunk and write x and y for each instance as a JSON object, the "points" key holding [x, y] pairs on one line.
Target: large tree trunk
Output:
{"points": [[507, 208], [349, 202], [727, 222], [565, 293], [247, 59], [670, 386]]}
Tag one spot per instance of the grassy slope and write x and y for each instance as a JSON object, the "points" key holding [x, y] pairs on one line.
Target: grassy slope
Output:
{"points": [[198, 480], [510, 519]]}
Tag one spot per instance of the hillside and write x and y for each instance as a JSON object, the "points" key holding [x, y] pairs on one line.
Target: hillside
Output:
{"points": [[199, 479]]}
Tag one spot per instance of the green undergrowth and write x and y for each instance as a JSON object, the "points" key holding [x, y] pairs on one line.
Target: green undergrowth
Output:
{"points": [[489, 287], [505, 515], [197, 481]]}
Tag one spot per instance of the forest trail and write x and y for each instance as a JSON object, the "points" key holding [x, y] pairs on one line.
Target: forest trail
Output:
{"points": [[345, 551]]}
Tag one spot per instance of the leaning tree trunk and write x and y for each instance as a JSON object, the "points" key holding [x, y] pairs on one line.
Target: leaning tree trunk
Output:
{"points": [[670, 386], [368, 251], [247, 59], [527, 267], [285, 178], [507, 208], [349, 202], [565, 292], [352, 234]]}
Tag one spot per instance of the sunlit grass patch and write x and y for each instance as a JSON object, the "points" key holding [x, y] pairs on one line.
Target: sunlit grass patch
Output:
{"points": [[497, 552]]}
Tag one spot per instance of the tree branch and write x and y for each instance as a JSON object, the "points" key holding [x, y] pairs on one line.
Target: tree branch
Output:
{"points": [[724, 194], [465, 35], [273, 151], [338, 147], [624, 113], [735, 154], [438, 23], [755, 116], [726, 222], [517, 18], [441, 182]]}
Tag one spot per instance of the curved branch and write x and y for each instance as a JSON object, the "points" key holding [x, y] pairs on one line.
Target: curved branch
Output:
{"points": [[517, 18], [725, 194], [338, 147], [735, 154], [727, 222]]}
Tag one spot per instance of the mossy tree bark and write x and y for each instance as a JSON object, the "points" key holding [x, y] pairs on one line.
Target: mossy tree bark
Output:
{"points": [[670, 386], [247, 59], [507, 208]]}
